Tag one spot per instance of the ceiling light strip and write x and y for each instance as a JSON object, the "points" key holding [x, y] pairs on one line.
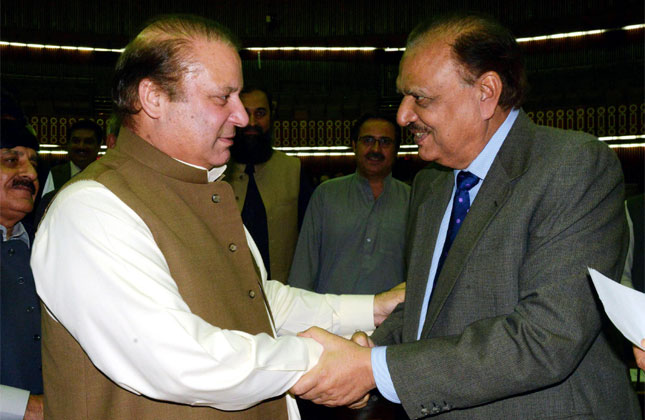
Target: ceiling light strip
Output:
{"points": [[629, 145], [309, 148], [342, 150], [59, 47], [631, 137], [331, 49]]}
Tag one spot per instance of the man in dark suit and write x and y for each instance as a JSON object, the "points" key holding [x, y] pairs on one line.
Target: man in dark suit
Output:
{"points": [[83, 146], [21, 383], [500, 319]]}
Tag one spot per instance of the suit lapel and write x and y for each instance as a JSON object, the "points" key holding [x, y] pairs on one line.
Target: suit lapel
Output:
{"points": [[423, 233], [511, 161]]}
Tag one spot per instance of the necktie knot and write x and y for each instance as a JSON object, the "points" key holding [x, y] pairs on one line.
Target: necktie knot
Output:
{"points": [[250, 169], [466, 180]]}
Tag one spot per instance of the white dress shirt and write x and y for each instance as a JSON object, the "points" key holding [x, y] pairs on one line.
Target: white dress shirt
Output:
{"points": [[101, 275]]}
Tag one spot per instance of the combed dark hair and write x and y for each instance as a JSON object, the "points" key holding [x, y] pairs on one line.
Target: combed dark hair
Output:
{"points": [[480, 44], [87, 125], [161, 52], [375, 116], [259, 88]]}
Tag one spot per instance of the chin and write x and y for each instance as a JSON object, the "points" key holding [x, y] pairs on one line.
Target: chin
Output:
{"points": [[221, 160]]}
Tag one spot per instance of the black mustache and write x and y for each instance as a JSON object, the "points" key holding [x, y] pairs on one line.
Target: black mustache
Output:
{"points": [[26, 182], [252, 127], [375, 155], [417, 128]]}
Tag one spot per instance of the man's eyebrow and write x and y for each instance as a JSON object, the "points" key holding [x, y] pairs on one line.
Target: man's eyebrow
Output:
{"points": [[230, 89], [405, 91]]}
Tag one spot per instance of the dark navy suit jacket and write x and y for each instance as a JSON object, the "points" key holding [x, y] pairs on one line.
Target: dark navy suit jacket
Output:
{"points": [[20, 362]]}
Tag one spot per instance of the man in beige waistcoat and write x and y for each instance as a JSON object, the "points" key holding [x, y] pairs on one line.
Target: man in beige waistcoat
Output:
{"points": [[271, 188], [157, 304]]}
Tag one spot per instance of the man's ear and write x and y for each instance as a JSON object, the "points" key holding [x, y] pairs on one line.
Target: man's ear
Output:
{"points": [[151, 98], [490, 88]]}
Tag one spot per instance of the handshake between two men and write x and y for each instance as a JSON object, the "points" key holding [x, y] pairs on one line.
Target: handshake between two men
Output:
{"points": [[343, 375]]}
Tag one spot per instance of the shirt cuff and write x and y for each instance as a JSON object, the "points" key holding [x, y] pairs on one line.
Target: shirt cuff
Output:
{"points": [[382, 374], [13, 402], [356, 313]]}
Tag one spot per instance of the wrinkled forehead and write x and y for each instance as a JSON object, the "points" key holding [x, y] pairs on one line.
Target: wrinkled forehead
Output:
{"points": [[20, 151]]}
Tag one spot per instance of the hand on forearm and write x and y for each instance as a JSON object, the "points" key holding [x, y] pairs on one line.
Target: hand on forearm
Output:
{"points": [[343, 374], [385, 302]]}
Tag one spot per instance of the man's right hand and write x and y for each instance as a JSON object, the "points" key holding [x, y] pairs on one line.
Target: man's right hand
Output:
{"points": [[364, 340], [34, 408]]}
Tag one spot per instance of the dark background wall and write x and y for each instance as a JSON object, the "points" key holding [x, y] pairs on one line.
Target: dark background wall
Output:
{"points": [[599, 70], [600, 74]]}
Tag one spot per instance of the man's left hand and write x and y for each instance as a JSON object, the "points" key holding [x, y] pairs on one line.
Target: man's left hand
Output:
{"points": [[343, 374], [385, 302]]}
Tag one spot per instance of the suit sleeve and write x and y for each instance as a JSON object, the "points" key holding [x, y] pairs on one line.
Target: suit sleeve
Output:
{"points": [[389, 332], [577, 221]]}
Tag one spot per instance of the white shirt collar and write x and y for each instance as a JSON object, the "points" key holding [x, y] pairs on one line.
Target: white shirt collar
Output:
{"points": [[484, 160], [212, 174], [19, 233]]}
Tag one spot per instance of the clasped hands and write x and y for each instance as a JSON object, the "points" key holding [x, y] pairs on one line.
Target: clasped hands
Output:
{"points": [[343, 375]]}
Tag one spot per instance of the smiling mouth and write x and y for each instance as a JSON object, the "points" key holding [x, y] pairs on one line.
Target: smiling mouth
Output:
{"points": [[375, 157], [420, 136]]}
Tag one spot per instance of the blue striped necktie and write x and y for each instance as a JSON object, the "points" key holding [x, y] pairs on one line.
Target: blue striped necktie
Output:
{"points": [[460, 207]]}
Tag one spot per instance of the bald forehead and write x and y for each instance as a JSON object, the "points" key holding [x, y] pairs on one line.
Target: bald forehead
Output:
{"points": [[432, 44], [219, 60], [421, 57]]}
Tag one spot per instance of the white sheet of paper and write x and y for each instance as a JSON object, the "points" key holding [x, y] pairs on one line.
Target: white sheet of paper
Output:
{"points": [[625, 307]]}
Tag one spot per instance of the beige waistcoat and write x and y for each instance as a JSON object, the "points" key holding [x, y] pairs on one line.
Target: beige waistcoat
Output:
{"points": [[278, 180], [198, 228]]}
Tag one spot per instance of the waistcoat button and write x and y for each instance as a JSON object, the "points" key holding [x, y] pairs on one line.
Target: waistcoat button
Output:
{"points": [[215, 198], [11, 251], [232, 247], [251, 294], [21, 280], [30, 308]]}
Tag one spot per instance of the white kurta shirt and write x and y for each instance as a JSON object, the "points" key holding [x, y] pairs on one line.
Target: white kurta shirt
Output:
{"points": [[100, 273]]}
